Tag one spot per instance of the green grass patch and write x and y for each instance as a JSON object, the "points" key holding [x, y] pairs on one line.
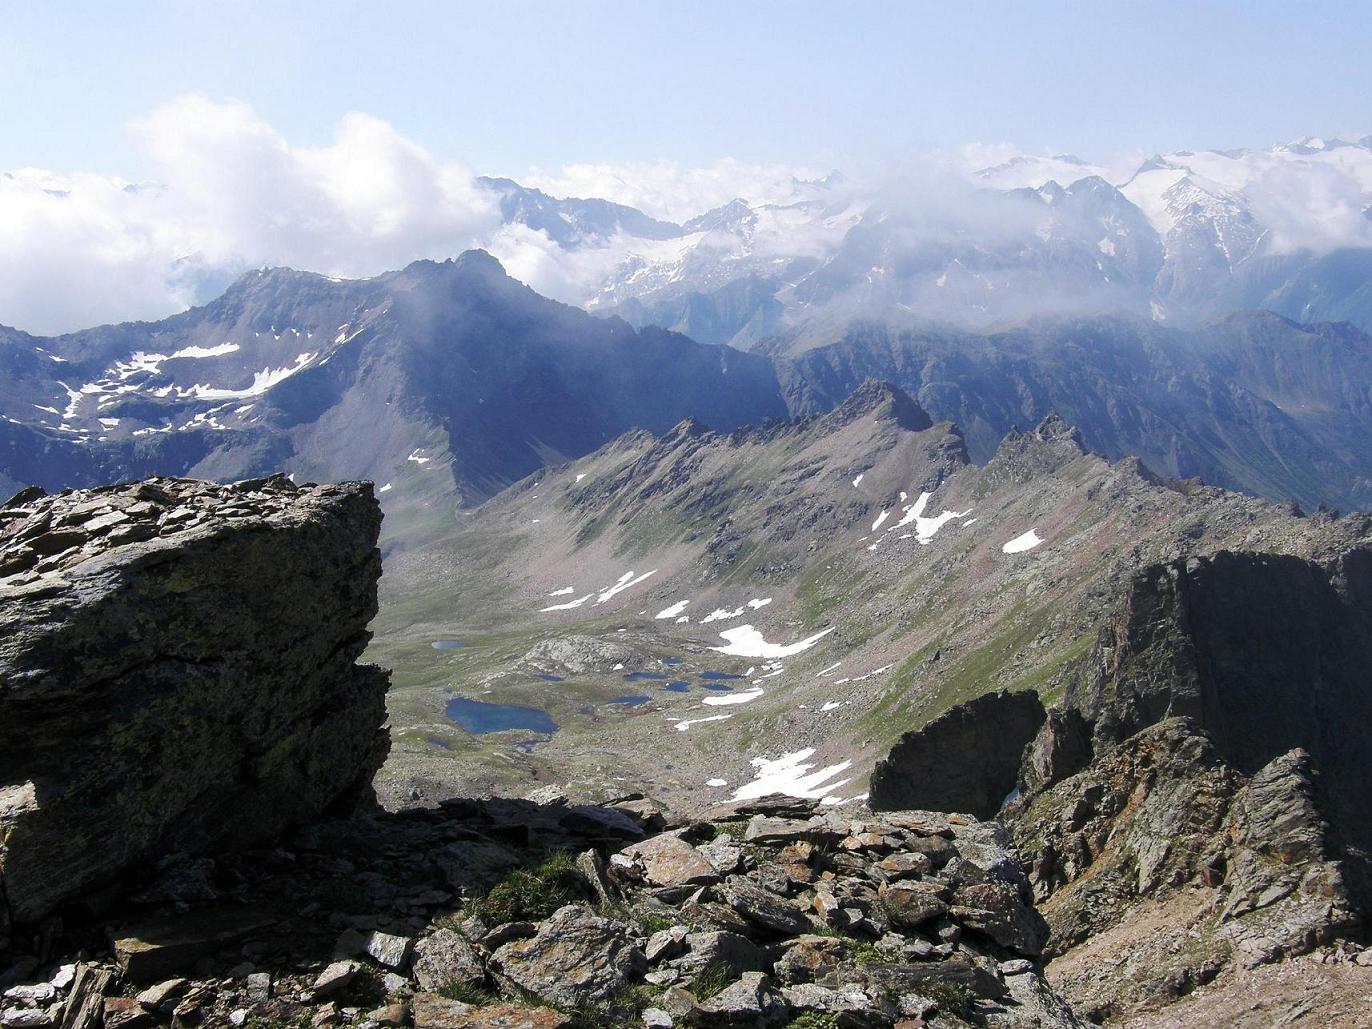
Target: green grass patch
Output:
{"points": [[532, 894]]}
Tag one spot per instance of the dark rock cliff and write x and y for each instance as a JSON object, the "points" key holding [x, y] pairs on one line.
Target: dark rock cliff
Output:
{"points": [[178, 674], [1211, 746], [992, 731]]}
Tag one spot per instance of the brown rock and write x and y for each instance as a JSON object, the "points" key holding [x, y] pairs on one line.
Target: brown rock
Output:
{"points": [[670, 861], [433, 1012]]}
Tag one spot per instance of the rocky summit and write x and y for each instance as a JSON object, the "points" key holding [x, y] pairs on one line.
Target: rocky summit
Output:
{"points": [[561, 914], [177, 675]]}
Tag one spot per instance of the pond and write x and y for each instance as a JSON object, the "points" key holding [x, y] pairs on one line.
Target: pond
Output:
{"points": [[640, 676], [677, 686], [632, 701], [720, 676], [446, 645], [673, 660], [479, 717], [549, 678]]}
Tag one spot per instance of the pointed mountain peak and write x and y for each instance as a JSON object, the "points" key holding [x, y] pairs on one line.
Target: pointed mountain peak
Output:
{"points": [[880, 400], [1055, 428], [1051, 444], [688, 428]]}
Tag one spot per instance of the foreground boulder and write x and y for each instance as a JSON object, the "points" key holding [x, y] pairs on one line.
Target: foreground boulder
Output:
{"points": [[178, 674]]}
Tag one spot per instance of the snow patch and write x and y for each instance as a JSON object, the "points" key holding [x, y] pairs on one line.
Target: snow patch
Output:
{"points": [[720, 614], [791, 775], [570, 604], [673, 610], [1019, 544], [747, 641], [729, 699], [625, 581], [219, 351], [683, 726]]}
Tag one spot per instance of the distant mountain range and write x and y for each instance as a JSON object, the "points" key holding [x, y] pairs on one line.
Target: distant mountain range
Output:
{"points": [[1184, 238], [446, 382]]}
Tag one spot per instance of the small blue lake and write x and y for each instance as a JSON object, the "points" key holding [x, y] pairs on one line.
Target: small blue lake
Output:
{"points": [[677, 686], [632, 701], [438, 741], [719, 687], [719, 676], [446, 645], [673, 660], [478, 717], [549, 678], [641, 676]]}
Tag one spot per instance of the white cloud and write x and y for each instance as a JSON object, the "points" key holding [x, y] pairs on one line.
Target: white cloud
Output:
{"points": [[228, 192], [669, 191], [231, 193]]}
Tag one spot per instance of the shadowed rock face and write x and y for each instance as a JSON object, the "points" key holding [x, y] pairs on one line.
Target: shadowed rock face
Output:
{"points": [[1265, 653], [965, 760], [1211, 746], [177, 674]]}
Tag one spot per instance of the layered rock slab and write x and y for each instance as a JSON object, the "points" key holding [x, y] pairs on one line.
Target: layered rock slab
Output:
{"points": [[178, 674]]}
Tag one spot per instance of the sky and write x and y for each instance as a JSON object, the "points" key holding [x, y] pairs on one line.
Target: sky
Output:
{"points": [[510, 87]]}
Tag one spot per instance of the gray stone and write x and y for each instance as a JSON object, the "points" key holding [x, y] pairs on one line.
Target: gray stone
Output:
{"points": [[165, 993], [577, 956], [750, 1003], [259, 985], [731, 953], [447, 957], [335, 977], [762, 907], [666, 943], [390, 951], [31, 994], [668, 860]]}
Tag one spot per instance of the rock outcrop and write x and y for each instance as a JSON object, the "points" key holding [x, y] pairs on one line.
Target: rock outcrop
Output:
{"points": [[1199, 799], [995, 728], [475, 913], [178, 675]]}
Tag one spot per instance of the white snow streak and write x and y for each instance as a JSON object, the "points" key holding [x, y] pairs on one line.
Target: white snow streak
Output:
{"points": [[746, 641]]}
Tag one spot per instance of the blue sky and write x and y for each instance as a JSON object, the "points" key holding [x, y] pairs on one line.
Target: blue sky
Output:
{"points": [[504, 87]]}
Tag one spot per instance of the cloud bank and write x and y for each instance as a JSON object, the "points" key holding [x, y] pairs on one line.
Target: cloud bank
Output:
{"points": [[228, 192]]}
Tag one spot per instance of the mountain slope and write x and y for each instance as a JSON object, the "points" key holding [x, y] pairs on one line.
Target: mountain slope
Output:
{"points": [[854, 571], [446, 380], [1253, 402]]}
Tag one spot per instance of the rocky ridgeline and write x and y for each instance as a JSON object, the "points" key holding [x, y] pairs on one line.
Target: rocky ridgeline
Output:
{"points": [[177, 675], [517, 913], [1198, 802]]}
